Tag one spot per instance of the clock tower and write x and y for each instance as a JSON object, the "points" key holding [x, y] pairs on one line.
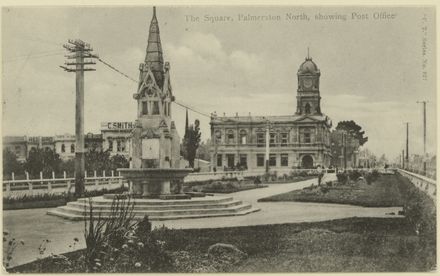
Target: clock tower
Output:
{"points": [[308, 98]]}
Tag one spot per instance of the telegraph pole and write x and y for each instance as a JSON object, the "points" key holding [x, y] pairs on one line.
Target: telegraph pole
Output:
{"points": [[403, 159], [424, 135], [407, 144], [79, 50]]}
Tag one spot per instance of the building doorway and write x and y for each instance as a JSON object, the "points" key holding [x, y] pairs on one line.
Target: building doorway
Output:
{"points": [[307, 162]]}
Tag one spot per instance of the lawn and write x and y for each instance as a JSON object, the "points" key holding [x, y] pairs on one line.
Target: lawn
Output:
{"points": [[383, 192], [355, 244]]}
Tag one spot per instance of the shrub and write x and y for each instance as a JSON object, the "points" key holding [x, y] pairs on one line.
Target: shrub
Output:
{"points": [[375, 174], [103, 235], [342, 178], [354, 175], [303, 173], [324, 189], [368, 178]]}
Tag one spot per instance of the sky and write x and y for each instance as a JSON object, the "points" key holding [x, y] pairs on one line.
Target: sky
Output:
{"points": [[371, 69]]}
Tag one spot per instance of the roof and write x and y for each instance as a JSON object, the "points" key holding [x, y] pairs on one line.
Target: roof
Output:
{"points": [[154, 56], [308, 67], [14, 139], [271, 119]]}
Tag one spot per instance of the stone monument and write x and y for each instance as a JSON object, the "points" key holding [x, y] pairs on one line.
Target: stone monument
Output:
{"points": [[155, 151]]}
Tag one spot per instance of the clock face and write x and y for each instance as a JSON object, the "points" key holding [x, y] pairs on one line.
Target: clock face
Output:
{"points": [[308, 83]]}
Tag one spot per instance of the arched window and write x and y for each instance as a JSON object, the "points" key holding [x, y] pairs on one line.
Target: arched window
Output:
{"points": [[155, 108], [218, 136], [72, 148], [243, 137], [307, 108], [144, 108], [63, 148]]}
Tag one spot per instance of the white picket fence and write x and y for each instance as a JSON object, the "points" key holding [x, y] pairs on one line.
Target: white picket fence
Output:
{"points": [[54, 185]]}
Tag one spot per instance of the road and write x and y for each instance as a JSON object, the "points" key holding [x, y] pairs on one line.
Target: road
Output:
{"points": [[33, 225]]}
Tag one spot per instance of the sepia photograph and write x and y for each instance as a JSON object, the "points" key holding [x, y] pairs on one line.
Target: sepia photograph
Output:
{"points": [[219, 138]]}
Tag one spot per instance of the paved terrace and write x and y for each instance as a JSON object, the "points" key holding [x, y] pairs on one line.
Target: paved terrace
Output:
{"points": [[33, 225]]}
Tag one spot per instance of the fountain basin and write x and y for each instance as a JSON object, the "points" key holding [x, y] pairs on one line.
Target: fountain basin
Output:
{"points": [[156, 182]]}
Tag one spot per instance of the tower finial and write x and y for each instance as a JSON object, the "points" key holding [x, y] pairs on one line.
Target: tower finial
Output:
{"points": [[154, 11], [308, 56]]}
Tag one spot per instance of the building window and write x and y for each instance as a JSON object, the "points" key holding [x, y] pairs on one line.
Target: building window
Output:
{"points": [[156, 108], [72, 148], [110, 144], [307, 137], [63, 148], [17, 150], [219, 160], [284, 160], [260, 139], [284, 139], [123, 144], [218, 136], [272, 139], [243, 161], [169, 109], [144, 108], [231, 160], [243, 137], [260, 160], [118, 146], [272, 160], [230, 137]]}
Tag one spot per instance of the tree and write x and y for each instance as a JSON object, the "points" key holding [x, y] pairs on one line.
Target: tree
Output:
{"points": [[203, 150], [119, 161], [42, 160], [354, 129], [191, 142], [11, 164], [97, 161]]}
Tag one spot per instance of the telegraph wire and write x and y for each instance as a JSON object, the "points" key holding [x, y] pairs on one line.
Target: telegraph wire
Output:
{"points": [[33, 56], [116, 70]]}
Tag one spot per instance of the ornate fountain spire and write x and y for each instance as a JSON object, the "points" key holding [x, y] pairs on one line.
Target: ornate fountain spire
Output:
{"points": [[154, 56]]}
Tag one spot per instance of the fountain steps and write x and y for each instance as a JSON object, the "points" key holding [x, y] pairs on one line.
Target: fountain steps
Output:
{"points": [[106, 199], [167, 209], [107, 207]]}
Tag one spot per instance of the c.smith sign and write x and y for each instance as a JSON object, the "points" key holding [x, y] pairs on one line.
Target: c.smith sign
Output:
{"points": [[117, 125]]}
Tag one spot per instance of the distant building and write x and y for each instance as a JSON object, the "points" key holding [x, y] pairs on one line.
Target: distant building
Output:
{"points": [[65, 146], [301, 140], [116, 137], [93, 142], [22, 145], [17, 145]]}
